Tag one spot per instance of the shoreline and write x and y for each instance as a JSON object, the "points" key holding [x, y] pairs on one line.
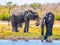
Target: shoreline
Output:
{"points": [[26, 38]]}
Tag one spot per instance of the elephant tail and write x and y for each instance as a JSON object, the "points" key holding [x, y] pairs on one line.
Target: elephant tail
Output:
{"points": [[11, 16]]}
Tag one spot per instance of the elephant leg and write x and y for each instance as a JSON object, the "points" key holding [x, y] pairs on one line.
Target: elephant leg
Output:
{"points": [[42, 30], [26, 26], [48, 30], [42, 27], [14, 27], [51, 28]]}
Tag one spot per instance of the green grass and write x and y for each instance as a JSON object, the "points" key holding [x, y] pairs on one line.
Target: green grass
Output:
{"points": [[33, 31]]}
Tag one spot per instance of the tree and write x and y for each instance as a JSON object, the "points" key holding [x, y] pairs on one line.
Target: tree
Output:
{"points": [[35, 5], [10, 5]]}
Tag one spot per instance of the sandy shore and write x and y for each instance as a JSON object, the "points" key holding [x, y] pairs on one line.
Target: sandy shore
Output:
{"points": [[56, 23], [26, 38]]}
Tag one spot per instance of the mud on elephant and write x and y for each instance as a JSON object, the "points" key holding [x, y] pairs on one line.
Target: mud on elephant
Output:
{"points": [[26, 16]]}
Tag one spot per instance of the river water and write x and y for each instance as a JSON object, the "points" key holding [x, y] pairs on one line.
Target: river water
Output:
{"points": [[30, 42]]}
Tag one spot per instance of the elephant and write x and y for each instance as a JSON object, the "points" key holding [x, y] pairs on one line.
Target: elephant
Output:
{"points": [[48, 21], [23, 17]]}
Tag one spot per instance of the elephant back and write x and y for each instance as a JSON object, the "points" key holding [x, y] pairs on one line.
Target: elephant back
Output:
{"points": [[17, 11]]}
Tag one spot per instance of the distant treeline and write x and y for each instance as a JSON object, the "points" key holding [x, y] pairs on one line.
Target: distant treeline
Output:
{"points": [[40, 8]]}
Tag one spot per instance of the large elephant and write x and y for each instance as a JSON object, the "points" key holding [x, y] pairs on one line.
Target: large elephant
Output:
{"points": [[26, 16], [48, 20]]}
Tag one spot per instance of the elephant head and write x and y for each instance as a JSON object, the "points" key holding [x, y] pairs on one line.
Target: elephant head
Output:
{"points": [[32, 15]]}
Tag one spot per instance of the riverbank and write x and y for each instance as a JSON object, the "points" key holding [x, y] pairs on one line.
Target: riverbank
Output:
{"points": [[26, 38], [34, 32]]}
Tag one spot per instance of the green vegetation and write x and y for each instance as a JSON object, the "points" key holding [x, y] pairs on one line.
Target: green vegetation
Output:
{"points": [[5, 10], [5, 16], [35, 5], [10, 6], [33, 31], [57, 17]]}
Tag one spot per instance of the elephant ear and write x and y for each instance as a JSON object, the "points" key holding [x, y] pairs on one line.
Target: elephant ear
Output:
{"points": [[28, 13], [25, 13]]}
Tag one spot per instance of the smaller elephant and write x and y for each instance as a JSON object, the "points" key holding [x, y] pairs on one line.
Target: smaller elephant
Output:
{"points": [[23, 17], [48, 20]]}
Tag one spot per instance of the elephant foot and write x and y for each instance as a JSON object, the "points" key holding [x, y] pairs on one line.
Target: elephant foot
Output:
{"points": [[49, 39], [25, 31], [42, 38], [45, 37], [17, 31]]}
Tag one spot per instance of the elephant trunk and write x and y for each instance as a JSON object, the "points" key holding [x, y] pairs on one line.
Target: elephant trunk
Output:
{"points": [[38, 22]]}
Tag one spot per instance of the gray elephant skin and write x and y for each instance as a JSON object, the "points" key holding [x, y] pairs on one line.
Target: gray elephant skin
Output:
{"points": [[23, 17], [48, 21]]}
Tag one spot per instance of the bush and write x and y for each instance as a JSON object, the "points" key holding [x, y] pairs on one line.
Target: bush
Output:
{"points": [[57, 17], [35, 5], [5, 16]]}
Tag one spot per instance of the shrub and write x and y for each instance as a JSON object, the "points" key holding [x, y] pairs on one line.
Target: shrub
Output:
{"points": [[35, 5], [57, 17], [5, 16]]}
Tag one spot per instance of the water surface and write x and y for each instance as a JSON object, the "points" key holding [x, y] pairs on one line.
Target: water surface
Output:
{"points": [[30, 42]]}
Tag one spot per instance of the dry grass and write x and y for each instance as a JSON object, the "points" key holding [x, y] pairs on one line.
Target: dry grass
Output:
{"points": [[6, 30]]}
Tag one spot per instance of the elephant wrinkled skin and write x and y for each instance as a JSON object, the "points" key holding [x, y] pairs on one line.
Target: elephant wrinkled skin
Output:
{"points": [[25, 16], [48, 20]]}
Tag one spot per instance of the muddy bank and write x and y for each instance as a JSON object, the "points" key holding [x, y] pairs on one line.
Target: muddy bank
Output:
{"points": [[26, 38]]}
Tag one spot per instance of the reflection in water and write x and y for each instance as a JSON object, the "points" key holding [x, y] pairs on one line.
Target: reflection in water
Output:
{"points": [[30, 42]]}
